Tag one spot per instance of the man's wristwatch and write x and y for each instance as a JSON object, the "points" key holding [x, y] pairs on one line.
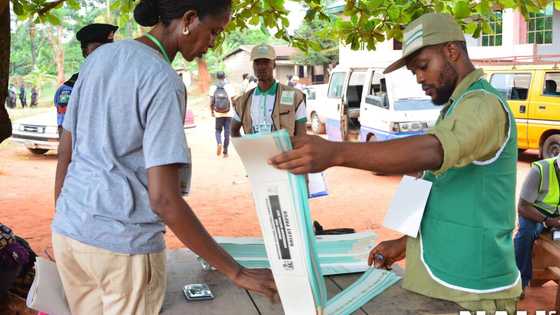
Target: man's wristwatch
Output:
{"points": [[544, 221]]}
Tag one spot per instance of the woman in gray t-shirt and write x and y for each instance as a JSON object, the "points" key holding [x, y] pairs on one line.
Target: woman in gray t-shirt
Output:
{"points": [[118, 173]]}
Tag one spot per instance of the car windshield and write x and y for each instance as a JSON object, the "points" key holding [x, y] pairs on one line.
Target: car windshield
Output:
{"points": [[413, 104]]}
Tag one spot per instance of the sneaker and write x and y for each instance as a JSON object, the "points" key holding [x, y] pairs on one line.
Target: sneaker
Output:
{"points": [[219, 150], [225, 155]]}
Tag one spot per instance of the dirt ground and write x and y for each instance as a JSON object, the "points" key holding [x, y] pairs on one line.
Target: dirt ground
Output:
{"points": [[220, 197]]}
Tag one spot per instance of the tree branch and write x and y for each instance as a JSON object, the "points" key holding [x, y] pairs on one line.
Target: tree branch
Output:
{"points": [[49, 6]]}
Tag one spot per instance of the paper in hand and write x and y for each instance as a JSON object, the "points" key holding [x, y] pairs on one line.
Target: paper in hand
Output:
{"points": [[407, 207]]}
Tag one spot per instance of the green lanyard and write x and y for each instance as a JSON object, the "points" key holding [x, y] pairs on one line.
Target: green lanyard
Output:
{"points": [[160, 46]]}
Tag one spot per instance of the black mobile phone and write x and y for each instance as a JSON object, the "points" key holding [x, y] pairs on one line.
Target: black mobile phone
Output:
{"points": [[197, 292]]}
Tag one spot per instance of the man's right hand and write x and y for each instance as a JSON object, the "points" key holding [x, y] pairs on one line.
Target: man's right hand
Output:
{"points": [[311, 154], [391, 252], [552, 222], [258, 280]]}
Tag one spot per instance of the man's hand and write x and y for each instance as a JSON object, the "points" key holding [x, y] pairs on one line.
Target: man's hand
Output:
{"points": [[552, 222], [258, 280], [311, 154], [388, 252]]}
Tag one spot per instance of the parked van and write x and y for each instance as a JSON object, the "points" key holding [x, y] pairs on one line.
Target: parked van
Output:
{"points": [[365, 104], [533, 94]]}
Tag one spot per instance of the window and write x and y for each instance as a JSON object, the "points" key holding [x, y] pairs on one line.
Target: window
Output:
{"points": [[552, 84], [514, 86], [355, 88], [335, 88], [539, 26], [494, 38], [377, 94]]}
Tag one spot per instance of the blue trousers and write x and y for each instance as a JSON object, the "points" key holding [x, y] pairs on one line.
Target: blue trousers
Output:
{"points": [[225, 124], [528, 232]]}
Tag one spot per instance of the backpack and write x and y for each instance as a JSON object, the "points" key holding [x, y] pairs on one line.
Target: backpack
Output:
{"points": [[221, 102]]}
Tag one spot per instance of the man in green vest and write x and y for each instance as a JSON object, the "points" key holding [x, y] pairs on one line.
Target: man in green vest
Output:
{"points": [[271, 105], [538, 209], [464, 250]]}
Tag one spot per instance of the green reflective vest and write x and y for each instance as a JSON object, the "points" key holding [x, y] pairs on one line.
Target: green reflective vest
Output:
{"points": [[466, 232], [548, 199]]}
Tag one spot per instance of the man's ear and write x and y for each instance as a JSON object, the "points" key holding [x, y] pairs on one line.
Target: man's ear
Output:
{"points": [[452, 52]]}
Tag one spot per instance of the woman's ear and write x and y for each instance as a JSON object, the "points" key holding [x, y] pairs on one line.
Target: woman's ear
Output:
{"points": [[190, 21]]}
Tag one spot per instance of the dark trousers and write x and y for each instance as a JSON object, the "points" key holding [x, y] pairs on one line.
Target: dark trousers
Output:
{"points": [[225, 124], [528, 232]]}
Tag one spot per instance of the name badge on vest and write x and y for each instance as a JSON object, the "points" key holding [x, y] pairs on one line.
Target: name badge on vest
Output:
{"points": [[287, 98]]}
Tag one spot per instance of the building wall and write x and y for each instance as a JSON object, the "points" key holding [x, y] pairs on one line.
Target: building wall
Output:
{"points": [[282, 72], [236, 65], [513, 39]]}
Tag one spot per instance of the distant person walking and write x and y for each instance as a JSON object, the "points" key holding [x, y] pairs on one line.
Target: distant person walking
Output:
{"points": [[22, 97], [34, 96], [221, 107], [11, 100]]}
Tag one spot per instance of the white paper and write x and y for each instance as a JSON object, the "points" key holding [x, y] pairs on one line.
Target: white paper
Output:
{"points": [[316, 185], [556, 235], [407, 208]]}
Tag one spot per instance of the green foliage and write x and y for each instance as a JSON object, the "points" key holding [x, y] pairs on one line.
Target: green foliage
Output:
{"points": [[324, 48], [363, 23], [367, 22]]}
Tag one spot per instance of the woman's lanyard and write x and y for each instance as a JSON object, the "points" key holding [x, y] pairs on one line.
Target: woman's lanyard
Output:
{"points": [[160, 46]]}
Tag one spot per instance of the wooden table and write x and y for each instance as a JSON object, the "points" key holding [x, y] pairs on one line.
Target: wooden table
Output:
{"points": [[546, 263], [184, 269]]}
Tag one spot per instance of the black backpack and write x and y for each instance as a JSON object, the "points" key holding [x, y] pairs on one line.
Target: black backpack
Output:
{"points": [[221, 100]]}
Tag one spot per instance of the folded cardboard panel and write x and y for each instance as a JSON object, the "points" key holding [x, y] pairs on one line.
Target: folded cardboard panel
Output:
{"points": [[281, 201], [338, 254]]}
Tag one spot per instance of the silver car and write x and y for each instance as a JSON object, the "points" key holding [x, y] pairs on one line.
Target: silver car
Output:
{"points": [[38, 133]]}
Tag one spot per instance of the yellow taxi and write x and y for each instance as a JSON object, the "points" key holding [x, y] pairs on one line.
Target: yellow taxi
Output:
{"points": [[533, 94]]}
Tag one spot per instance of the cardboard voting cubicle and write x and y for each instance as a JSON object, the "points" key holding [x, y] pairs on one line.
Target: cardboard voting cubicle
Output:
{"points": [[281, 201], [338, 254]]}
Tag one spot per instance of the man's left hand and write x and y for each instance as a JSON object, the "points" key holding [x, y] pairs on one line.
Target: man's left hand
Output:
{"points": [[311, 154]]}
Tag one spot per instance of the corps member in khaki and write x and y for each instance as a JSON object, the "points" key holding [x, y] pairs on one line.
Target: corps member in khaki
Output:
{"points": [[271, 105], [464, 250]]}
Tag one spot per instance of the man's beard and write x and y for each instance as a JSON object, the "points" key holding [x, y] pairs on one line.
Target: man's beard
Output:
{"points": [[448, 81]]}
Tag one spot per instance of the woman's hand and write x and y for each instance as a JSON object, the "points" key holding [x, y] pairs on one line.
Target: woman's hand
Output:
{"points": [[258, 280]]}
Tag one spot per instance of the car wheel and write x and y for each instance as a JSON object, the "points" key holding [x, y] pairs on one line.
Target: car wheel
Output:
{"points": [[551, 147], [38, 151], [316, 125]]}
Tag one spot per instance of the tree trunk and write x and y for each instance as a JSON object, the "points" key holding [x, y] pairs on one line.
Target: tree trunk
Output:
{"points": [[58, 49], [5, 123], [203, 75], [32, 44]]}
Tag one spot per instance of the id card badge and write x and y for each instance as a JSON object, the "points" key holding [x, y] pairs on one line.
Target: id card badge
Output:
{"points": [[287, 98]]}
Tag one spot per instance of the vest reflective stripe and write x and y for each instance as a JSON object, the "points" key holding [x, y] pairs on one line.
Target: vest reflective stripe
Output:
{"points": [[466, 232], [549, 190]]}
